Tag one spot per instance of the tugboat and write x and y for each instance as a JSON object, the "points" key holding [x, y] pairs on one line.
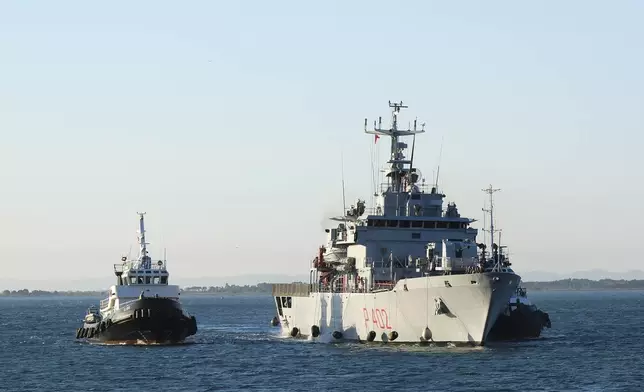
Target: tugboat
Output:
{"points": [[520, 320], [141, 308]]}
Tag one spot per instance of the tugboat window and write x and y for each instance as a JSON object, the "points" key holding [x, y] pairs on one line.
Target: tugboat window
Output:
{"points": [[164, 279], [147, 280], [140, 281], [156, 280]]}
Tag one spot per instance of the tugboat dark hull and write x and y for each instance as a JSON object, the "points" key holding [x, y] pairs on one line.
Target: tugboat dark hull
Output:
{"points": [[143, 321], [520, 323]]}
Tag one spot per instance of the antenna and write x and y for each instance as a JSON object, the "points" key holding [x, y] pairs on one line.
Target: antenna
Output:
{"points": [[484, 230], [490, 191], [344, 204], [413, 147], [438, 170]]}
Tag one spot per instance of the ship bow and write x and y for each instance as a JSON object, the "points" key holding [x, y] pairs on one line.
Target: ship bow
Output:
{"points": [[488, 299], [499, 287]]}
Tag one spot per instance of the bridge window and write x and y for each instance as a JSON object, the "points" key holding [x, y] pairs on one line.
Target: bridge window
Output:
{"points": [[286, 302], [454, 225], [379, 223], [164, 280], [441, 225], [429, 224], [132, 279], [405, 224], [392, 223], [417, 224], [415, 236], [147, 280], [156, 280]]}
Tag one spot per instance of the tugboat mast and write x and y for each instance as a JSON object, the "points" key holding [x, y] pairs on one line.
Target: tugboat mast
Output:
{"points": [[144, 259]]}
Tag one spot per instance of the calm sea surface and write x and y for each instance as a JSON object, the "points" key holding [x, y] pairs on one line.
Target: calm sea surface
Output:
{"points": [[596, 344]]}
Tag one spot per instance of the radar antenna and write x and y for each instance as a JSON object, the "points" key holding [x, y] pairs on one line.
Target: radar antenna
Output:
{"points": [[399, 165]]}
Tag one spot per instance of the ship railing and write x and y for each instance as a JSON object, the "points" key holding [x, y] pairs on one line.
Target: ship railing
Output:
{"points": [[382, 286], [421, 187], [104, 303], [138, 266], [457, 263], [124, 302], [291, 289], [328, 288]]}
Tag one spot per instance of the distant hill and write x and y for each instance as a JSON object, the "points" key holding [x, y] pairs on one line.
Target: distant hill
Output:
{"points": [[101, 284], [593, 274], [586, 284], [260, 288]]}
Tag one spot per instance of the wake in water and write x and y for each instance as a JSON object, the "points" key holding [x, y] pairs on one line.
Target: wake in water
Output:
{"points": [[138, 342]]}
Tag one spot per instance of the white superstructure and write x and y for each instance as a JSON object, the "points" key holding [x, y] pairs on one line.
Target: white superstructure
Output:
{"points": [[138, 278], [407, 271]]}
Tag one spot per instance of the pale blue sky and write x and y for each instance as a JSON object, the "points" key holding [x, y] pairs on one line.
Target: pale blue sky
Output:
{"points": [[224, 120]]}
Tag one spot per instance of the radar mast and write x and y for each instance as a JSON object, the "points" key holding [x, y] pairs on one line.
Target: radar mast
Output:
{"points": [[399, 166]]}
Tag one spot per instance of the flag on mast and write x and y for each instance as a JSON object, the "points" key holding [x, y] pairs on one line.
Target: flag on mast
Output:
{"points": [[376, 139]]}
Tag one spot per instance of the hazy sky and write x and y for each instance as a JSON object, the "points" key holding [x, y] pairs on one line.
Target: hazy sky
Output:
{"points": [[225, 121]]}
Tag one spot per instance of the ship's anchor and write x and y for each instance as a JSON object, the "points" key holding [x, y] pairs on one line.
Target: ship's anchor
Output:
{"points": [[440, 308]]}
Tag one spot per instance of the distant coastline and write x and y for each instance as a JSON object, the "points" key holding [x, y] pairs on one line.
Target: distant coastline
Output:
{"points": [[260, 288], [585, 285], [265, 288]]}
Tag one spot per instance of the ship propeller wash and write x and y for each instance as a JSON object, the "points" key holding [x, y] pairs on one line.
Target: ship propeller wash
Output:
{"points": [[142, 308], [406, 271]]}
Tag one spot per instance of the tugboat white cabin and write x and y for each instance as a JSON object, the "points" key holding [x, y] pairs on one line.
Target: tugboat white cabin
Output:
{"points": [[139, 278]]}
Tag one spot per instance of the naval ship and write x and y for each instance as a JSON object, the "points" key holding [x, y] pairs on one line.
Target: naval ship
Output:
{"points": [[141, 308], [405, 271]]}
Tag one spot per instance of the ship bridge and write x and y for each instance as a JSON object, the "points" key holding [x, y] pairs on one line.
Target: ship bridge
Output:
{"points": [[408, 214]]}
